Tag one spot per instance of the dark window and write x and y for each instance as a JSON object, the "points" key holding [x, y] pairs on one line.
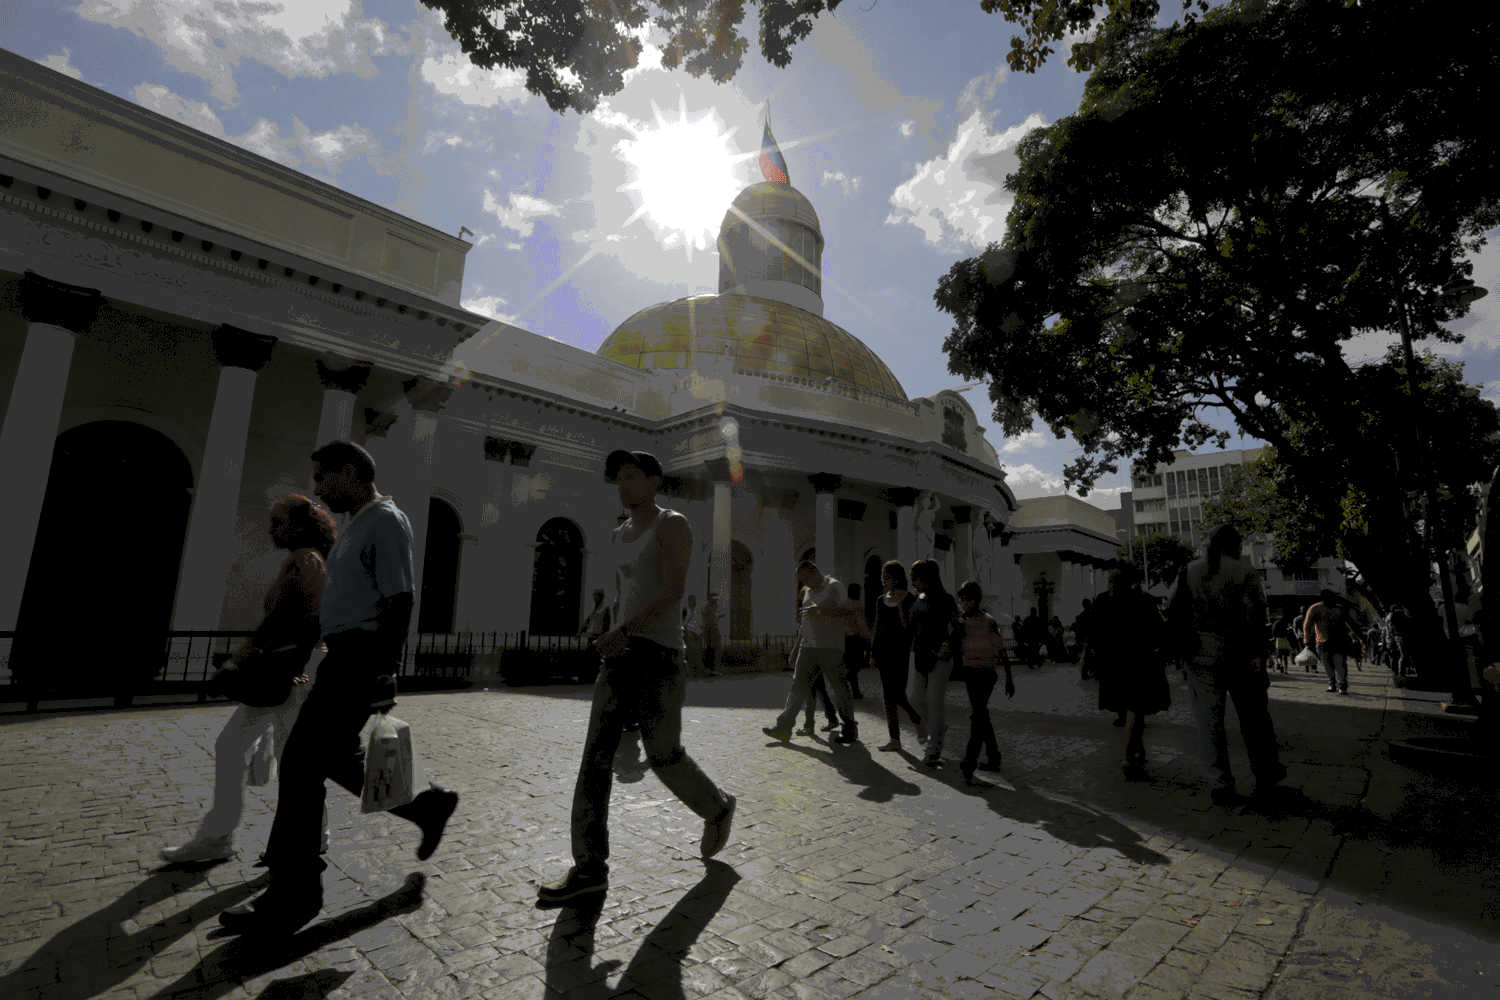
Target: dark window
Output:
{"points": [[440, 569], [557, 579]]}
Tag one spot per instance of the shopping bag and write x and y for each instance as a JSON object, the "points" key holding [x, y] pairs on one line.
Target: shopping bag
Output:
{"points": [[393, 770], [262, 762], [1306, 658]]}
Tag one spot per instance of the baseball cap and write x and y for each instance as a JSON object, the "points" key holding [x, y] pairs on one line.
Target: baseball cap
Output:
{"points": [[643, 460]]}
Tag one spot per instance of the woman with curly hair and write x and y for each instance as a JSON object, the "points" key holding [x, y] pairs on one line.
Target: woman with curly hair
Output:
{"points": [[306, 532]]}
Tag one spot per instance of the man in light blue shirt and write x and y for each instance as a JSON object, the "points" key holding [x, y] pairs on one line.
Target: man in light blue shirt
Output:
{"points": [[365, 614]]}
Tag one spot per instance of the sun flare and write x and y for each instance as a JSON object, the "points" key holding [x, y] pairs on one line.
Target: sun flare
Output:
{"points": [[684, 173]]}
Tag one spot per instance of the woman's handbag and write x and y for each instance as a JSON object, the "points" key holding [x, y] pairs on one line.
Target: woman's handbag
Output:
{"points": [[264, 680]]}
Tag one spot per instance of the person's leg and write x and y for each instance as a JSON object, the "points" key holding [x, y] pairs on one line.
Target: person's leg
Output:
{"points": [[231, 766], [1208, 718], [890, 697], [1339, 668], [803, 673], [937, 695], [615, 697], [980, 684], [819, 694], [1135, 743], [832, 662], [662, 693], [1252, 706], [1326, 659]]}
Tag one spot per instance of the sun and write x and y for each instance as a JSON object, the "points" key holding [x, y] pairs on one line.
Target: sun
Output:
{"points": [[683, 175]]}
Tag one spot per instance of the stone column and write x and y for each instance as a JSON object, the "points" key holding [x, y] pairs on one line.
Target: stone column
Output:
{"points": [[57, 313], [210, 548], [469, 611], [824, 513], [963, 546], [342, 380], [719, 564], [905, 499], [424, 398]]}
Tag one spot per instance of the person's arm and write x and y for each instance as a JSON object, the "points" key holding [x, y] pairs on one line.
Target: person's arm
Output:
{"points": [[857, 615], [676, 541], [393, 622], [1307, 626]]}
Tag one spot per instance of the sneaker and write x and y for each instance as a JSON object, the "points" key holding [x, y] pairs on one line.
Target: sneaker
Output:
{"points": [[849, 735], [575, 883], [200, 849], [990, 765], [274, 913], [716, 831], [437, 805], [1343, 690], [1332, 689], [784, 735], [832, 725], [807, 731], [890, 747], [921, 733]]}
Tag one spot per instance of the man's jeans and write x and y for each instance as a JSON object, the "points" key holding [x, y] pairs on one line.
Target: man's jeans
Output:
{"points": [[1396, 657], [647, 683], [931, 691], [1248, 690], [981, 684], [325, 744], [810, 663], [1336, 666]]}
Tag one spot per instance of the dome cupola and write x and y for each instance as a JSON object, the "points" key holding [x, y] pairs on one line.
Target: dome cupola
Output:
{"points": [[771, 247]]}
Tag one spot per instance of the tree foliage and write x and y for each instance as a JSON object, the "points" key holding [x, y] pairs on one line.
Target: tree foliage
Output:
{"points": [[1165, 557], [1094, 24], [575, 52], [1234, 200]]}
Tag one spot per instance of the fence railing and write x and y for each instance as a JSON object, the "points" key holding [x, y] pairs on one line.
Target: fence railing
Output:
{"points": [[53, 672]]}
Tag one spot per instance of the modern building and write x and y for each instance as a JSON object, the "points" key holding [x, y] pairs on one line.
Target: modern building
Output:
{"points": [[1170, 500], [1062, 546], [182, 322]]}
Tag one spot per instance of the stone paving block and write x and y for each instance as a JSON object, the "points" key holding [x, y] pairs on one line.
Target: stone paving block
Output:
{"points": [[1112, 972]]}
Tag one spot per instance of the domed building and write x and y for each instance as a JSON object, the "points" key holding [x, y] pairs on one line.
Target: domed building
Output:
{"points": [[201, 318]]}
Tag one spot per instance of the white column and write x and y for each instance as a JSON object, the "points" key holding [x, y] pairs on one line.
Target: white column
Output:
{"points": [[469, 613], [823, 518], [26, 442], [719, 576], [963, 549], [210, 548], [417, 488], [906, 539]]}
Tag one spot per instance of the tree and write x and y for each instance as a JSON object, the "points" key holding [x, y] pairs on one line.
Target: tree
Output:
{"points": [[575, 52], [1051, 20], [1235, 199], [1165, 557]]}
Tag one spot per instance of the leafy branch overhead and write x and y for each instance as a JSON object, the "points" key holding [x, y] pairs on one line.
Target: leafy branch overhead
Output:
{"points": [[575, 52]]}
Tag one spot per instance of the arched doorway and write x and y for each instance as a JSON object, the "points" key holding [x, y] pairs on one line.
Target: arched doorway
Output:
{"points": [[440, 569], [741, 603], [873, 589], [107, 555], [557, 579]]}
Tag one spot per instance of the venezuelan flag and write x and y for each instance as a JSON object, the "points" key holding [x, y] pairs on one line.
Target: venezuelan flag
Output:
{"points": [[772, 164]]}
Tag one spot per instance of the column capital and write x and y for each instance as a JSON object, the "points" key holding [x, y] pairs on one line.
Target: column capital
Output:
{"points": [[903, 496], [825, 482], [343, 374], [236, 348], [56, 303], [426, 394]]}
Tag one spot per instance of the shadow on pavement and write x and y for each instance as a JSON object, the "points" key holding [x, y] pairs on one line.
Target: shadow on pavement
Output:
{"points": [[655, 971], [240, 959], [854, 763], [96, 953]]}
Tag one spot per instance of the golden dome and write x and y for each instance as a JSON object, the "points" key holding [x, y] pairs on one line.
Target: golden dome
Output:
{"points": [[765, 200], [761, 334]]}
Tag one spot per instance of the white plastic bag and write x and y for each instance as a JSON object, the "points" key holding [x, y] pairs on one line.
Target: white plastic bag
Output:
{"points": [[1306, 658], [393, 771], [262, 762]]}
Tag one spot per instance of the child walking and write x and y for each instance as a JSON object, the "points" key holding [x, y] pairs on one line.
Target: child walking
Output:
{"points": [[983, 655]]}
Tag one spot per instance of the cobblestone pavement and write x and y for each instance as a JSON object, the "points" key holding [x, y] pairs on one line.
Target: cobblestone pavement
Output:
{"points": [[852, 873]]}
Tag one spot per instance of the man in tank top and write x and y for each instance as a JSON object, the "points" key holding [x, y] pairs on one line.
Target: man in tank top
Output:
{"points": [[642, 677]]}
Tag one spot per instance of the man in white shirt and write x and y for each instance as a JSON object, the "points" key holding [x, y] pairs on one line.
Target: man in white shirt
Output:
{"points": [[823, 616]]}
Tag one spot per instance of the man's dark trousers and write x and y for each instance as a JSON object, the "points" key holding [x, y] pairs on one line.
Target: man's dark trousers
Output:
{"points": [[325, 744], [981, 684]]}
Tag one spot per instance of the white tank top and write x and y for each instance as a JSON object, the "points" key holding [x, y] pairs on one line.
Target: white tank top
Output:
{"points": [[639, 566]]}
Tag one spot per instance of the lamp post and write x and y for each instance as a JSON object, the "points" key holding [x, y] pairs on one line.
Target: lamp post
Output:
{"points": [[1458, 292], [1043, 589]]}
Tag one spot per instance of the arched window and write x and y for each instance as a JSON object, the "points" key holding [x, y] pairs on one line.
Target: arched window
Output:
{"points": [[741, 602], [557, 579], [440, 569], [123, 585]]}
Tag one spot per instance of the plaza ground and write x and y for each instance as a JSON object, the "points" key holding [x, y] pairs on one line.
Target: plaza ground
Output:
{"points": [[851, 873]]}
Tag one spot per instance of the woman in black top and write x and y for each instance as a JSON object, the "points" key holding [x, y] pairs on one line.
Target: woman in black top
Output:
{"points": [[890, 650], [934, 641]]}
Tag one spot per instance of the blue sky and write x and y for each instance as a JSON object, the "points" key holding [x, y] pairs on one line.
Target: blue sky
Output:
{"points": [[899, 123]]}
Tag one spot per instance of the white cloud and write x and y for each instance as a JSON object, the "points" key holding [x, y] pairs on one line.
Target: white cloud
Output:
{"points": [[304, 149], [908, 127], [488, 305], [842, 179], [959, 197], [1029, 481], [62, 64], [208, 38], [517, 213], [456, 76], [1029, 439]]}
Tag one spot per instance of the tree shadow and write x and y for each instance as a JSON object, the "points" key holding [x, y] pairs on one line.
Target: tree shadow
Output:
{"points": [[243, 958], [655, 970], [96, 953]]}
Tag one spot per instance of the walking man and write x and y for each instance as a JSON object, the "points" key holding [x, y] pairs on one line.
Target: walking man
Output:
{"points": [[364, 617], [821, 651], [643, 676], [597, 622]]}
